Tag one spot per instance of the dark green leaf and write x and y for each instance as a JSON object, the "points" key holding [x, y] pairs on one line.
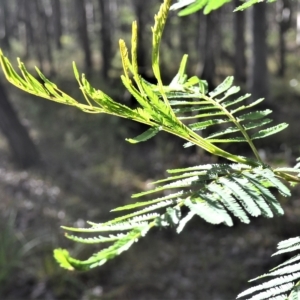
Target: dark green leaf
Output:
{"points": [[204, 124], [255, 124], [255, 115], [223, 87], [269, 131], [148, 134]]}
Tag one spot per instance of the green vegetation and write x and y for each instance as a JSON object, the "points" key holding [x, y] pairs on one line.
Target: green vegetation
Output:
{"points": [[242, 187], [192, 6]]}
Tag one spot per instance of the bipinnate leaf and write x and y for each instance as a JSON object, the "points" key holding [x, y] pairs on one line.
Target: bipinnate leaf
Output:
{"points": [[217, 193], [122, 243], [214, 192]]}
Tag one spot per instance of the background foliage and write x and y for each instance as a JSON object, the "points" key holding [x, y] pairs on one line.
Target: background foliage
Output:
{"points": [[114, 179]]}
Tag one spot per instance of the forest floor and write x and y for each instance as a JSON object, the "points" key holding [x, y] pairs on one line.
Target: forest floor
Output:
{"points": [[88, 169]]}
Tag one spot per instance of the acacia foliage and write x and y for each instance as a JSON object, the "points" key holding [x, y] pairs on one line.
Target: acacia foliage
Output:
{"points": [[219, 193]]}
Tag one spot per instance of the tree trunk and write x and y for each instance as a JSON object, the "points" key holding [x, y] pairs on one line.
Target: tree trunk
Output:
{"points": [[82, 30], [184, 22], [209, 64], [43, 34], [106, 36], [240, 65], [140, 8], [298, 25], [22, 147], [25, 17], [5, 42], [34, 30], [284, 22], [57, 23], [259, 75]]}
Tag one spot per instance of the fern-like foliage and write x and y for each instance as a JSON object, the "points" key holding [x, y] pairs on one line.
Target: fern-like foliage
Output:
{"points": [[214, 192], [240, 189], [285, 282], [191, 6], [219, 107]]}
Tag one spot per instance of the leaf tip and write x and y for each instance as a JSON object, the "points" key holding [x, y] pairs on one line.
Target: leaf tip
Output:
{"points": [[61, 256]]}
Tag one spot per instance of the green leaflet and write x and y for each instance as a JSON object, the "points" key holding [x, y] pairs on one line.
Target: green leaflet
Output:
{"points": [[233, 90], [95, 240], [207, 212], [180, 78], [273, 292], [269, 131], [222, 132], [117, 248], [288, 243], [181, 4], [195, 5], [190, 109], [255, 124], [223, 87], [205, 124], [61, 256], [243, 107], [216, 168], [148, 134], [256, 195], [289, 261], [208, 5], [255, 115], [224, 194], [233, 102], [203, 115], [270, 176], [289, 249], [245, 199], [145, 203], [284, 270], [133, 219], [118, 226], [155, 206], [202, 176], [215, 205], [270, 284], [268, 196], [228, 140], [246, 5]]}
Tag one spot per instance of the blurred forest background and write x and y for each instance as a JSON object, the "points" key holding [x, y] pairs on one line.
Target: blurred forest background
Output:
{"points": [[59, 166]]}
